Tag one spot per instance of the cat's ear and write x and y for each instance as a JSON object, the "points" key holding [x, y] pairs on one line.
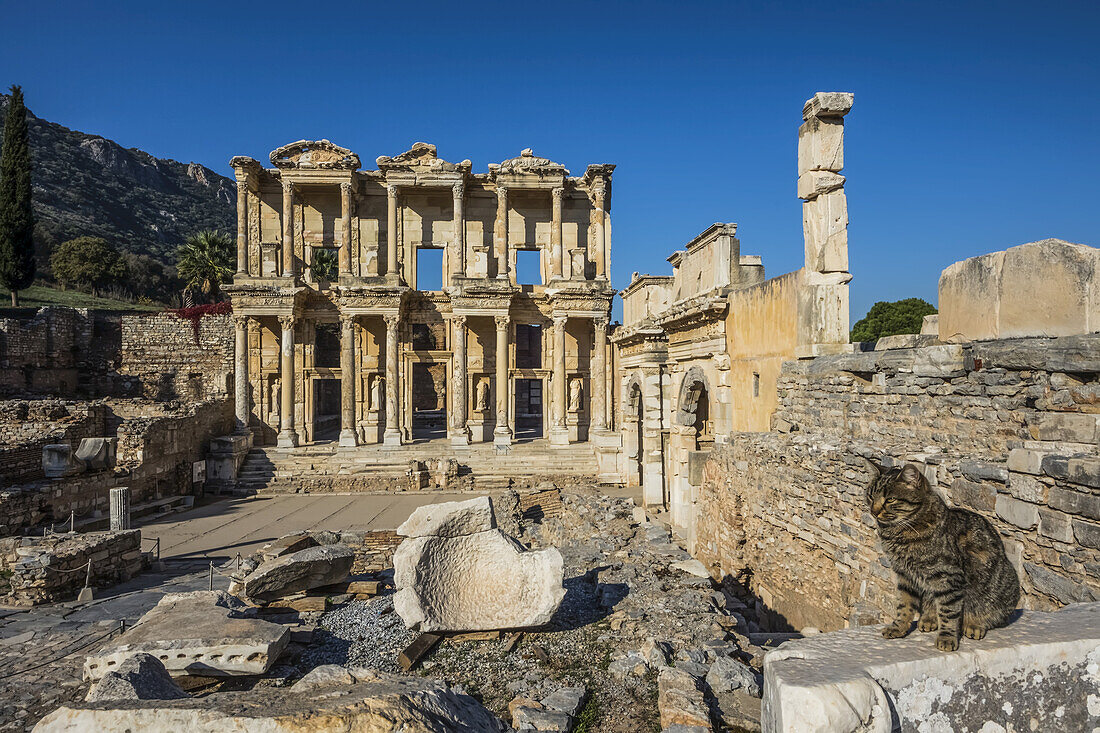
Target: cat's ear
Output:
{"points": [[911, 476], [874, 468]]}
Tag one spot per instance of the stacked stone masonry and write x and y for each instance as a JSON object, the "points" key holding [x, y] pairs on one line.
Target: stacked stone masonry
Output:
{"points": [[1005, 428], [55, 568]]}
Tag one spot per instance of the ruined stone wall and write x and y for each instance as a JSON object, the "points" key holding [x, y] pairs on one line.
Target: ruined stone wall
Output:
{"points": [[26, 426], [1005, 428], [40, 351], [53, 569], [170, 360]]}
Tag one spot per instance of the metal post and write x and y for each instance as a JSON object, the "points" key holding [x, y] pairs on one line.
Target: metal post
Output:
{"points": [[211, 575], [72, 521]]}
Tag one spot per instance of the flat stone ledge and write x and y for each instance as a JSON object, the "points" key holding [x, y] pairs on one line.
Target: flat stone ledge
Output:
{"points": [[1042, 670]]}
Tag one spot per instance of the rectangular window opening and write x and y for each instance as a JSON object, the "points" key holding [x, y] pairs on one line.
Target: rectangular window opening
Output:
{"points": [[755, 384], [429, 269], [529, 267]]}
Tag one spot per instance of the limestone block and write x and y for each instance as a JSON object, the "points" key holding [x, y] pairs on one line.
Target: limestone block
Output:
{"points": [[825, 228], [1020, 513], [97, 453], [1036, 674], [1045, 288], [372, 701], [930, 325], [201, 633], [680, 699], [828, 104], [140, 677], [820, 145], [812, 184], [287, 545], [58, 460], [450, 519], [312, 567]]}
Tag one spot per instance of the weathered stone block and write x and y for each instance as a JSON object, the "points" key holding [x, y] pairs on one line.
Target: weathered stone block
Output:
{"points": [[1033, 674], [1054, 525], [1022, 460], [140, 677], [450, 519], [812, 184], [1075, 502], [1087, 533], [1078, 470], [821, 145], [1019, 513], [1058, 587], [312, 567], [972, 495], [1027, 488], [1062, 426], [828, 104], [983, 471], [680, 699], [58, 460], [825, 228]]}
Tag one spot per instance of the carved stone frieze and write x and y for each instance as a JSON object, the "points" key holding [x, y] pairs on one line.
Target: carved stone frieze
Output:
{"points": [[314, 154], [421, 158], [528, 163]]}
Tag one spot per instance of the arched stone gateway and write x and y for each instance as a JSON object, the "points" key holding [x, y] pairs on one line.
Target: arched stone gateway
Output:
{"points": [[693, 407]]}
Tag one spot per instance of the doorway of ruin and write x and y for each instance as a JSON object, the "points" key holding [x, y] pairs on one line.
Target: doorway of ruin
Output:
{"points": [[429, 400], [529, 412], [635, 415], [326, 409]]}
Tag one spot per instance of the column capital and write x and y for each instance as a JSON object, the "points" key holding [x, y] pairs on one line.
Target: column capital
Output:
{"points": [[391, 190], [559, 321], [502, 322], [458, 320], [346, 188], [241, 320], [600, 322], [288, 186], [347, 319], [598, 190], [557, 192], [392, 321], [502, 191], [458, 190], [287, 321]]}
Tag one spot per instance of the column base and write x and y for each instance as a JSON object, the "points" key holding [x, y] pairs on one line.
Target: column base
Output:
{"points": [[480, 430], [391, 437], [287, 439], [460, 438], [392, 278], [348, 438], [559, 436], [502, 439]]}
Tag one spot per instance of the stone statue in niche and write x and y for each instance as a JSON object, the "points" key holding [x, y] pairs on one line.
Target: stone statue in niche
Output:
{"points": [[376, 393], [275, 386], [482, 395], [575, 395]]}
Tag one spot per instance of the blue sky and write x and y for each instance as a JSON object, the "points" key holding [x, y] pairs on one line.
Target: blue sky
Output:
{"points": [[976, 125]]}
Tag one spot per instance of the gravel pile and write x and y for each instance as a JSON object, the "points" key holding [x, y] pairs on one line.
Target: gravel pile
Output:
{"points": [[359, 634]]}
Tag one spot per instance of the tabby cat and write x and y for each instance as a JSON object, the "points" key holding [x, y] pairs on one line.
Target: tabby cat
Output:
{"points": [[951, 563]]}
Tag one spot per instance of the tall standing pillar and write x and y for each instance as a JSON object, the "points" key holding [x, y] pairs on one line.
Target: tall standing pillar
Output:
{"points": [[345, 228], [502, 434], [288, 229], [559, 432], [460, 434], [599, 376], [392, 436], [242, 225], [349, 375], [240, 374], [556, 255], [599, 192], [391, 234], [500, 232], [458, 253], [288, 436]]}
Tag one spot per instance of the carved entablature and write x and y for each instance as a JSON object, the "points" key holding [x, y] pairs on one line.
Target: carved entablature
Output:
{"points": [[265, 299], [527, 163], [314, 155], [597, 174], [705, 310], [421, 158], [245, 164], [371, 299]]}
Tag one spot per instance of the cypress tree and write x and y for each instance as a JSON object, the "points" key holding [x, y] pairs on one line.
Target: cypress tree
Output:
{"points": [[16, 216]]}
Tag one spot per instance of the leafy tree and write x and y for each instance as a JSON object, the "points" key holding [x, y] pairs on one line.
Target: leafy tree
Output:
{"points": [[151, 279], [89, 262], [206, 261], [891, 318], [16, 216], [324, 264]]}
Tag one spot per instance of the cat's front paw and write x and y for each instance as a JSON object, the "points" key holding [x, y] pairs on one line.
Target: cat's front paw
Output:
{"points": [[896, 631], [947, 642], [973, 632], [928, 623]]}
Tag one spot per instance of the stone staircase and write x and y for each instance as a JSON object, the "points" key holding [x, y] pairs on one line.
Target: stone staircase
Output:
{"points": [[374, 468]]}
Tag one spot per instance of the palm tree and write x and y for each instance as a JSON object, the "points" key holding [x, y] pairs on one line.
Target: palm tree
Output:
{"points": [[205, 262]]}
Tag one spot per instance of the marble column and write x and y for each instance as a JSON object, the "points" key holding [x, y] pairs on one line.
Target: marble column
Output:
{"points": [[288, 229], [502, 434], [345, 228], [391, 233], [599, 191], [242, 226], [500, 232], [559, 433], [288, 436], [599, 376], [349, 375], [240, 374], [460, 434], [556, 255], [392, 436], [458, 253]]}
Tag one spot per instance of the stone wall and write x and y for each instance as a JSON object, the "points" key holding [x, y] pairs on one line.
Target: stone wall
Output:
{"points": [[1005, 428], [40, 351], [26, 426], [52, 569], [173, 359]]}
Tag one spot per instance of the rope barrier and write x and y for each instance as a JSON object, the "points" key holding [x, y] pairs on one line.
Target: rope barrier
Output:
{"points": [[120, 629]]}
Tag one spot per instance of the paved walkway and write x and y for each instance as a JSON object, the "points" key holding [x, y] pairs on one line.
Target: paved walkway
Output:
{"points": [[222, 527]]}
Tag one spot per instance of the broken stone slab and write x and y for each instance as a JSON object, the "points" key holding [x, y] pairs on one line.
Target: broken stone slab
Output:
{"points": [[198, 633], [287, 545], [312, 567], [58, 461], [456, 572], [476, 582], [526, 718], [828, 104], [372, 701], [567, 700], [692, 567], [727, 674], [140, 677], [450, 519], [680, 699], [1038, 673], [97, 453]]}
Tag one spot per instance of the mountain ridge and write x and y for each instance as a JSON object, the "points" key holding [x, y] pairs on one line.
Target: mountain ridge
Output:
{"points": [[89, 185]]}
